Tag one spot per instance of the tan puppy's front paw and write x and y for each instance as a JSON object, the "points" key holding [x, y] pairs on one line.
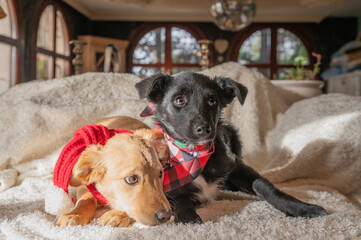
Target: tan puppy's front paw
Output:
{"points": [[116, 219], [71, 219]]}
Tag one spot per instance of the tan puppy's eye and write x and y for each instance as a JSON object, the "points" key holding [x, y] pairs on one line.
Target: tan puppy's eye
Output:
{"points": [[132, 180], [160, 174]]}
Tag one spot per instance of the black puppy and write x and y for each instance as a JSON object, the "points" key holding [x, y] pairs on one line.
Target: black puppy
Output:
{"points": [[188, 106]]}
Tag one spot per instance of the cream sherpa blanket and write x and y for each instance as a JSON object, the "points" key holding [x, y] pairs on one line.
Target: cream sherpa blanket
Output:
{"points": [[311, 150]]}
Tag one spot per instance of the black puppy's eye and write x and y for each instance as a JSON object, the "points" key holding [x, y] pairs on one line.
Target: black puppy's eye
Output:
{"points": [[212, 101], [132, 180], [180, 101], [160, 174]]}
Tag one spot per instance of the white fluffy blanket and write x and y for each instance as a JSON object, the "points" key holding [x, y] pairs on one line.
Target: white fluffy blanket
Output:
{"points": [[311, 150]]}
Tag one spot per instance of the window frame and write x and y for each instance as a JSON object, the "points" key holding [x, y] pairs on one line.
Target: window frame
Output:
{"points": [[18, 24], [143, 29], [299, 31], [51, 53]]}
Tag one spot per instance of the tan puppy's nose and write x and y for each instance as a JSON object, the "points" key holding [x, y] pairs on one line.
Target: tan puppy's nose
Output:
{"points": [[162, 216]]}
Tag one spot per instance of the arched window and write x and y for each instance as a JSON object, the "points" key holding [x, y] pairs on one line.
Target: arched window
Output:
{"points": [[9, 46], [169, 48], [52, 51], [273, 50]]}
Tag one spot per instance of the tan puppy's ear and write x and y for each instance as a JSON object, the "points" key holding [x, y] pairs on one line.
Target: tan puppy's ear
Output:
{"points": [[88, 169], [156, 138]]}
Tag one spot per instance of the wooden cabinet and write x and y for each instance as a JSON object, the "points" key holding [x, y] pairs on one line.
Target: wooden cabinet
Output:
{"points": [[94, 52], [349, 83]]}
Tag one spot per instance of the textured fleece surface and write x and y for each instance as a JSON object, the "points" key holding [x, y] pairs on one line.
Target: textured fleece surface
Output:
{"points": [[311, 150]]}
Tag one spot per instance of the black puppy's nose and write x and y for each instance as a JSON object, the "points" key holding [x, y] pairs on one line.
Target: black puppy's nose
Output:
{"points": [[202, 130], [162, 216]]}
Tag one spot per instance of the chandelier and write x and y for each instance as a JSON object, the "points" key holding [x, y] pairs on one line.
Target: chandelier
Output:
{"points": [[233, 15]]}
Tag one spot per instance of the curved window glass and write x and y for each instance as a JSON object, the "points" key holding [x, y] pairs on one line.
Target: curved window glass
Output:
{"points": [[167, 49], [52, 45], [275, 59], [8, 46]]}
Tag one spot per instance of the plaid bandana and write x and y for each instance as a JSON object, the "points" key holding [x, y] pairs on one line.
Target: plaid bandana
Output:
{"points": [[184, 164]]}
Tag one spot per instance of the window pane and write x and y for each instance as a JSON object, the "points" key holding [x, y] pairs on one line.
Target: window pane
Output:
{"points": [[61, 68], [292, 73], [257, 48], [7, 24], [44, 67], [46, 29], [144, 72], [188, 69], [5, 66], [284, 73], [290, 49], [264, 71], [62, 41], [151, 48], [184, 47]]}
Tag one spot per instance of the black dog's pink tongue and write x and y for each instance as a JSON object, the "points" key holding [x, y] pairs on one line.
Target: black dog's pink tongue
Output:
{"points": [[148, 111]]}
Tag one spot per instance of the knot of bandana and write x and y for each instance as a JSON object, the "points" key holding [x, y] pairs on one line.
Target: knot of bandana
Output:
{"points": [[185, 164]]}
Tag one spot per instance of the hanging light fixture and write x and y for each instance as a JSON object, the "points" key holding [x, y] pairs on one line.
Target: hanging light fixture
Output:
{"points": [[233, 15]]}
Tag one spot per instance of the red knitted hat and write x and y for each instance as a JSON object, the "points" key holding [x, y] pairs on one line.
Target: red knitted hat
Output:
{"points": [[83, 137]]}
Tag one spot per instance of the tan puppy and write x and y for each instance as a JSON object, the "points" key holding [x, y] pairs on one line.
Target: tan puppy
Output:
{"points": [[127, 172]]}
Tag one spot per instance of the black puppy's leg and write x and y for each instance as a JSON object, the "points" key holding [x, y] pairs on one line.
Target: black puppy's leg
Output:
{"points": [[247, 179], [184, 209]]}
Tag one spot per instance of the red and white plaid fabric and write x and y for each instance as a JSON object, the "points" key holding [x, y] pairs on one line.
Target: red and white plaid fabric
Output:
{"points": [[184, 164]]}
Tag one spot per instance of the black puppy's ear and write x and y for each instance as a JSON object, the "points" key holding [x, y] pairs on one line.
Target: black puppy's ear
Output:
{"points": [[232, 89], [152, 88]]}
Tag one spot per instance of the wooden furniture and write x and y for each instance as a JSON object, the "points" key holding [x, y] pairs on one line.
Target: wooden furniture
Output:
{"points": [[349, 83], [94, 52], [78, 51]]}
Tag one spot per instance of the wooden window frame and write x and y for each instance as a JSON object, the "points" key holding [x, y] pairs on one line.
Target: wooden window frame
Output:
{"points": [[139, 33], [18, 78], [51, 53], [273, 65]]}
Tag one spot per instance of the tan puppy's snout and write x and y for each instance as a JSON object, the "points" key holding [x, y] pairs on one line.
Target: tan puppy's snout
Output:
{"points": [[162, 216]]}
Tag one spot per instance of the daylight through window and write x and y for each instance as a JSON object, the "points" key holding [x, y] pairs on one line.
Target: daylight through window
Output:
{"points": [[8, 46], [167, 49], [52, 45]]}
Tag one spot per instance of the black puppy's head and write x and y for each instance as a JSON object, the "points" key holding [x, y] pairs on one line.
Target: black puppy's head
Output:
{"points": [[189, 105]]}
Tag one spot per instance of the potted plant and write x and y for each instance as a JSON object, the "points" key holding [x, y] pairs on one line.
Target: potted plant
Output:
{"points": [[302, 81]]}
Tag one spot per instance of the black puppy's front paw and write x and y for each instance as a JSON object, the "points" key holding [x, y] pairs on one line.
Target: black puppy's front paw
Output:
{"points": [[307, 210], [188, 218]]}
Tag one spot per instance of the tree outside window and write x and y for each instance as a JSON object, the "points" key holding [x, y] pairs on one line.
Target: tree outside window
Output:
{"points": [[273, 50], [167, 48]]}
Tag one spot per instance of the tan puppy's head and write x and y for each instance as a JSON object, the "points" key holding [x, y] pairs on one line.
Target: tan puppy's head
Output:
{"points": [[128, 172]]}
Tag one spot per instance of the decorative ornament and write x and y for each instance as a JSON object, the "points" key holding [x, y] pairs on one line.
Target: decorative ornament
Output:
{"points": [[78, 51], [233, 15], [204, 53], [221, 45]]}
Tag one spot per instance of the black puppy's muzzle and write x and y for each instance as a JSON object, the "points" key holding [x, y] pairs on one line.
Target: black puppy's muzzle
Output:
{"points": [[202, 130]]}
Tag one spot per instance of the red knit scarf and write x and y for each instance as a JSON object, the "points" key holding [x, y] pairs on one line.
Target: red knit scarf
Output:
{"points": [[185, 164], [83, 137]]}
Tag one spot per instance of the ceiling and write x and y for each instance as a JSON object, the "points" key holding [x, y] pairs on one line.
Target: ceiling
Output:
{"points": [[198, 10]]}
